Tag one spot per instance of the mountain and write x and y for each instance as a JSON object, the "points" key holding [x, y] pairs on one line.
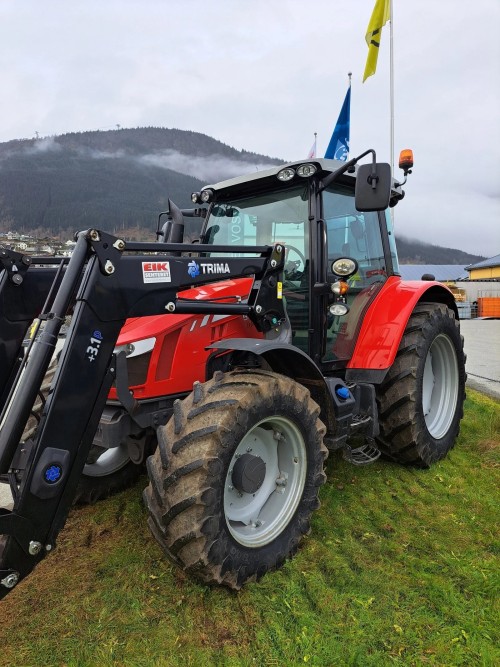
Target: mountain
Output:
{"points": [[111, 180], [121, 179], [411, 251]]}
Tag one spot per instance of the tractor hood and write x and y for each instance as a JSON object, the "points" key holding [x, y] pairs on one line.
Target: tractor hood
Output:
{"points": [[137, 328]]}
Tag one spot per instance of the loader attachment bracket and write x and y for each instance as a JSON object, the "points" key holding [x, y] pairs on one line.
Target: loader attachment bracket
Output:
{"points": [[15, 264]]}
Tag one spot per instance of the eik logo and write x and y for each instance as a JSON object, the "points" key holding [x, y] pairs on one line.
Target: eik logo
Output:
{"points": [[193, 269]]}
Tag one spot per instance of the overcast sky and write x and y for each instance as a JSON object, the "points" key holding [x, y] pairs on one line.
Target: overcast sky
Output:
{"points": [[264, 75]]}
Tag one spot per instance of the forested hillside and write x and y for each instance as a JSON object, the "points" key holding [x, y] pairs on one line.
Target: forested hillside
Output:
{"points": [[411, 251], [113, 180]]}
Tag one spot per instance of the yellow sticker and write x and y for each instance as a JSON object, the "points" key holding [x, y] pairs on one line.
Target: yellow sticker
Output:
{"points": [[280, 290]]}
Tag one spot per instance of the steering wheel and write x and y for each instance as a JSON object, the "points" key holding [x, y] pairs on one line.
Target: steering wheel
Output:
{"points": [[297, 263]]}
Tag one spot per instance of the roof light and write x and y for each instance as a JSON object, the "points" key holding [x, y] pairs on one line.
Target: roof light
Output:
{"points": [[306, 170], [207, 196], [286, 174]]}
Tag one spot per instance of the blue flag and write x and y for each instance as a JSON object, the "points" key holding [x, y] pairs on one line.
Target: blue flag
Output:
{"points": [[338, 148]]}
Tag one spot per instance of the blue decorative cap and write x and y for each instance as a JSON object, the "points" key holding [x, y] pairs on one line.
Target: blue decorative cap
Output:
{"points": [[53, 474]]}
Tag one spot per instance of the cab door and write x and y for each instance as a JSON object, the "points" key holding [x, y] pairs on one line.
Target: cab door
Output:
{"points": [[350, 233]]}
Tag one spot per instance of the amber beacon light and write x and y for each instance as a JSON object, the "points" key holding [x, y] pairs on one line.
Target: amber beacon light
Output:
{"points": [[406, 160]]}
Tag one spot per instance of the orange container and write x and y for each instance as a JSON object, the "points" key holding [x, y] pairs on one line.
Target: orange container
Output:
{"points": [[488, 306]]}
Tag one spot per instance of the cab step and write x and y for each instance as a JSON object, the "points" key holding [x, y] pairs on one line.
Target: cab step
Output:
{"points": [[361, 456]]}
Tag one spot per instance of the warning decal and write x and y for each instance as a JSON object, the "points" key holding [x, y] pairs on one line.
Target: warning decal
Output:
{"points": [[156, 272]]}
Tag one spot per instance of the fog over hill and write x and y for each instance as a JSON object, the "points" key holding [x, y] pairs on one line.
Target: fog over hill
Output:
{"points": [[121, 179]]}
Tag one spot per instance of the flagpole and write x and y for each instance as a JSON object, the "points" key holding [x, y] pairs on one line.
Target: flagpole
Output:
{"points": [[391, 65], [391, 95]]}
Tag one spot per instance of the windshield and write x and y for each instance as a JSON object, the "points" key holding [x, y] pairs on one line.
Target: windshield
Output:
{"points": [[279, 216]]}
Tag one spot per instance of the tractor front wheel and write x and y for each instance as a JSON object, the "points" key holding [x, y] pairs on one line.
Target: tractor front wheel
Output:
{"points": [[421, 399], [236, 476]]}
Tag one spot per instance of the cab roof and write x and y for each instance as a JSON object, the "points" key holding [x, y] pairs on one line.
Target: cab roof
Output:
{"points": [[323, 166]]}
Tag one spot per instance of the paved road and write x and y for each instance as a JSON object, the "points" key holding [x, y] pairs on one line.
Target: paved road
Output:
{"points": [[482, 346]]}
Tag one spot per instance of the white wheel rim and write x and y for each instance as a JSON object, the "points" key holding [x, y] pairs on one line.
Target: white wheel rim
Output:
{"points": [[109, 462], [256, 519], [440, 386]]}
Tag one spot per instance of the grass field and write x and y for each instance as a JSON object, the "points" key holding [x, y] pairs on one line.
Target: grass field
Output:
{"points": [[401, 568]]}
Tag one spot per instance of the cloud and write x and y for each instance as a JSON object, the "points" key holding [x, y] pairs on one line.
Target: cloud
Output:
{"points": [[208, 169], [45, 145]]}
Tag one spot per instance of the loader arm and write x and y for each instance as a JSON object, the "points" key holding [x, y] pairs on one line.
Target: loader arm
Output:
{"points": [[106, 281]]}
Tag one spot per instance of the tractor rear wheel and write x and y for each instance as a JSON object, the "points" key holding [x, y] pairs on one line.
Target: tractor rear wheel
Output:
{"points": [[236, 476], [421, 399]]}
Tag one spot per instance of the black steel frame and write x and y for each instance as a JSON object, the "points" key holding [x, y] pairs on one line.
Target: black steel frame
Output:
{"points": [[102, 285]]}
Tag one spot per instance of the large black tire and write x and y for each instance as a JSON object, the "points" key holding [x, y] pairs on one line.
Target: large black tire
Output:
{"points": [[209, 509], [421, 399], [106, 472]]}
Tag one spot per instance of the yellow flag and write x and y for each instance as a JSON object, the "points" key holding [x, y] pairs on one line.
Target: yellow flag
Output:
{"points": [[381, 14]]}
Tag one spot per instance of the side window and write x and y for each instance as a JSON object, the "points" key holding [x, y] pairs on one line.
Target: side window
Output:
{"points": [[354, 234]]}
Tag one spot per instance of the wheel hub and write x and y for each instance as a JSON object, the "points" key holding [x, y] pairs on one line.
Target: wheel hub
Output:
{"points": [[248, 473]]}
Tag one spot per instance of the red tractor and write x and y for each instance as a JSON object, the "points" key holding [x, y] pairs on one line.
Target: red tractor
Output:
{"points": [[237, 359]]}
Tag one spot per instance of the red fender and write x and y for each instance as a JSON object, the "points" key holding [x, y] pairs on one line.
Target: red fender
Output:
{"points": [[386, 319]]}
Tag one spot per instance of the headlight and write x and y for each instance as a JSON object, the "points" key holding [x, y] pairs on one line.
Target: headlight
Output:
{"points": [[344, 267], [339, 309], [136, 348]]}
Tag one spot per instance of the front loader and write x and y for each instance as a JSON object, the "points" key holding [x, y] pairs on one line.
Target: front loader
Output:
{"points": [[240, 360]]}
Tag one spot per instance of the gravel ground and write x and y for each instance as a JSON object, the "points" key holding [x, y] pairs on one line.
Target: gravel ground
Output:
{"points": [[482, 346]]}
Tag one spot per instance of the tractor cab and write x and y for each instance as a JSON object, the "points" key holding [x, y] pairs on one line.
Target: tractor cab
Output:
{"points": [[318, 210]]}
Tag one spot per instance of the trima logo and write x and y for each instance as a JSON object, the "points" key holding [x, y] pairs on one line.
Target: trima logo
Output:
{"points": [[205, 268], [193, 269]]}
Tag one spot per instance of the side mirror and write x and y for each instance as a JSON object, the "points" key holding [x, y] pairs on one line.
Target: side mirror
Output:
{"points": [[173, 230], [373, 187]]}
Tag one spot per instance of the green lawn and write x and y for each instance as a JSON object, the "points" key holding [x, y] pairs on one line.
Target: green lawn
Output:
{"points": [[400, 569]]}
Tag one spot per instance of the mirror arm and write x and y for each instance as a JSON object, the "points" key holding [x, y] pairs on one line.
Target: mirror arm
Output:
{"points": [[374, 178], [350, 163]]}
